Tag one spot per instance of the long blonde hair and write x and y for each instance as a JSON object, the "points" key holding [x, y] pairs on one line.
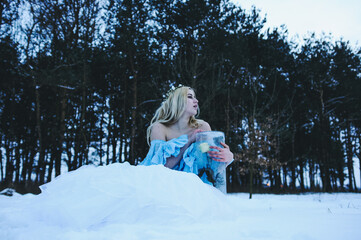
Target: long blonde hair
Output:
{"points": [[172, 109]]}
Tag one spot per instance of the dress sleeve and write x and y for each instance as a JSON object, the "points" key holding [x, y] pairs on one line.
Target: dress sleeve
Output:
{"points": [[160, 150]]}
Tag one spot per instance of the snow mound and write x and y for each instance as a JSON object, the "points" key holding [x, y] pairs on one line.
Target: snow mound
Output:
{"points": [[121, 201], [8, 192], [93, 196], [118, 201]]}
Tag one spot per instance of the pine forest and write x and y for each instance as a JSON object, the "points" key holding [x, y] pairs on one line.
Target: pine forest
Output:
{"points": [[80, 81]]}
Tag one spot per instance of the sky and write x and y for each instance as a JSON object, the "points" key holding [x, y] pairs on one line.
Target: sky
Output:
{"points": [[341, 18]]}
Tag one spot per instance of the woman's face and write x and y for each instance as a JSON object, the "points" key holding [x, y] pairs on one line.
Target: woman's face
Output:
{"points": [[192, 103]]}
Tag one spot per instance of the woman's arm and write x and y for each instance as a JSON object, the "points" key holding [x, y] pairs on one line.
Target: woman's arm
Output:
{"points": [[159, 133], [223, 154], [204, 126], [171, 162], [174, 160]]}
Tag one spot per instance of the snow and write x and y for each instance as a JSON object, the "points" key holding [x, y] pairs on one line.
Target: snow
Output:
{"points": [[121, 201]]}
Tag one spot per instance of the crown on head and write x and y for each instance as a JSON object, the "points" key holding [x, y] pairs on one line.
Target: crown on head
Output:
{"points": [[172, 90]]}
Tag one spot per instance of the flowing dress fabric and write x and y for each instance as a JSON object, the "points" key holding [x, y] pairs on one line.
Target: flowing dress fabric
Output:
{"points": [[191, 161], [160, 150]]}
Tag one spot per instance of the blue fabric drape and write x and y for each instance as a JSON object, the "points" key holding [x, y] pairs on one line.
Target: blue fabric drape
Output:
{"points": [[193, 161]]}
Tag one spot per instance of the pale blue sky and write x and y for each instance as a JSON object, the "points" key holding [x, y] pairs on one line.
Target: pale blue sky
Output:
{"points": [[341, 18]]}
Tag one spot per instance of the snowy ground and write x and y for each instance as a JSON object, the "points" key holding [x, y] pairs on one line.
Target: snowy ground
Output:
{"points": [[120, 201]]}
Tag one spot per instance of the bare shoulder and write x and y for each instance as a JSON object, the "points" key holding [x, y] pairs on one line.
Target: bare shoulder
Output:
{"points": [[158, 132], [203, 125]]}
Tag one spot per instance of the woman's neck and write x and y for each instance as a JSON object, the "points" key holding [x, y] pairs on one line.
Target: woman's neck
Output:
{"points": [[179, 128], [182, 124]]}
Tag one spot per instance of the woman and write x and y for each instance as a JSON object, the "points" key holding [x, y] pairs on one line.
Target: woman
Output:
{"points": [[172, 133]]}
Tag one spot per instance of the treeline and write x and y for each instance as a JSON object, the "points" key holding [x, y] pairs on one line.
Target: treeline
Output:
{"points": [[80, 81]]}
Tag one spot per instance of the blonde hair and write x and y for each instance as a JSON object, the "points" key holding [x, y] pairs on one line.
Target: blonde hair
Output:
{"points": [[172, 109]]}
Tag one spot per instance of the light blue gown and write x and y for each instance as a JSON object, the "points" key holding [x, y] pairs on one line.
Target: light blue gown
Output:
{"points": [[193, 161]]}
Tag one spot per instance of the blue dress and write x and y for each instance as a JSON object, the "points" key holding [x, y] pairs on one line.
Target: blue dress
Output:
{"points": [[193, 161]]}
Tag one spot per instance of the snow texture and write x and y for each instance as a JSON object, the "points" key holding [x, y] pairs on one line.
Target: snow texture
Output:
{"points": [[121, 201]]}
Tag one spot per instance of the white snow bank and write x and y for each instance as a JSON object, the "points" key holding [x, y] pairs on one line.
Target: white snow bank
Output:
{"points": [[121, 201]]}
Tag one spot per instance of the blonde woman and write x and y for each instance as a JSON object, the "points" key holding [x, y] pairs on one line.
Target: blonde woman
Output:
{"points": [[172, 133]]}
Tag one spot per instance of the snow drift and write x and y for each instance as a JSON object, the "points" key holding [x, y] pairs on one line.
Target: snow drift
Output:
{"points": [[121, 201], [123, 193]]}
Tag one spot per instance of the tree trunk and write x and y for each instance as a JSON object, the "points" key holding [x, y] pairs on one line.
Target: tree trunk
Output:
{"points": [[43, 170], [358, 154], [293, 159], [41, 160], [114, 140], [121, 138], [1, 164], [30, 166], [324, 159], [125, 116], [74, 163], [302, 183], [9, 167], [127, 149], [25, 163], [51, 166], [84, 142], [251, 181], [311, 175], [133, 120], [17, 161], [109, 135], [101, 140], [71, 157], [227, 113], [349, 154], [354, 180], [61, 132], [81, 157], [253, 152]]}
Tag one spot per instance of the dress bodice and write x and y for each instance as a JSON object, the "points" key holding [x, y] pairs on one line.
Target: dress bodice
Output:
{"points": [[193, 160]]}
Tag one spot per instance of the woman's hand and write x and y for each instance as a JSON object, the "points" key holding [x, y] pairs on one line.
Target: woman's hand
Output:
{"points": [[222, 155], [192, 136]]}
